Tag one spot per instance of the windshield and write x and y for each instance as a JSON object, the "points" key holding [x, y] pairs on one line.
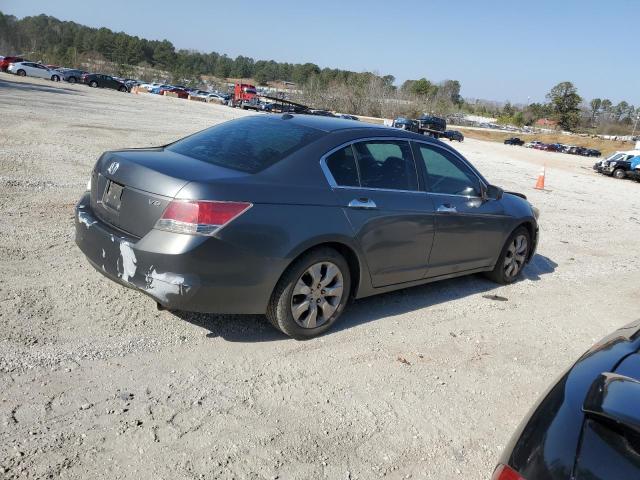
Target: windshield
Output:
{"points": [[249, 144]]}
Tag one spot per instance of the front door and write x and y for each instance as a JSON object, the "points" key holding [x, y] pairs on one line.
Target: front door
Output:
{"points": [[469, 228], [377, 185]]}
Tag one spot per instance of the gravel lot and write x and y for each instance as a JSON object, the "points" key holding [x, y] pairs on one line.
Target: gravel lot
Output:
{"points": [[427, 382]]}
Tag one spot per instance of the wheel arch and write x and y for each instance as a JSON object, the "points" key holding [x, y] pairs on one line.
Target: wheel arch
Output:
{"points": [[357, 268], [531, 229]]}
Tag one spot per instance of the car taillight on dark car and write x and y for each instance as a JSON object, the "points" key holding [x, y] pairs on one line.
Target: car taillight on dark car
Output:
{"points": [[505, 472], [199, 217]]}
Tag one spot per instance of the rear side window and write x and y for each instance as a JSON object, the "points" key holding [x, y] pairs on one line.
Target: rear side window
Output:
{"points": [[386, 164], [342, 165], [250, 144]]}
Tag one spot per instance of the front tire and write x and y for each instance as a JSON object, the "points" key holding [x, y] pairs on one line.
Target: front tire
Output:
{"points": [[513, 257], [619, 173], [123, 89], [311, 294], [55, 78]]}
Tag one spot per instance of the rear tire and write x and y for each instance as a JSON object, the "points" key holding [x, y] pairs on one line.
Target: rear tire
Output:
{"points": [[21, 73], [123, 89], [317, 286], [93, 84], [72, 80], [619, 173], [512, 258]]}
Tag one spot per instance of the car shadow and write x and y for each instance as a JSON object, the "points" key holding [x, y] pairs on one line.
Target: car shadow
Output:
{"points": [[35, 87], [255, 328]]}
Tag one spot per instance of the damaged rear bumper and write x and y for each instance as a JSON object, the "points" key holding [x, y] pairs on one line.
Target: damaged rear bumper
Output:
{"points": [[180, 272]]}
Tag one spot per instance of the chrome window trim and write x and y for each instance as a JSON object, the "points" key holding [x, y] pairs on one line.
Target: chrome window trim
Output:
{"points": [[332, 182]]}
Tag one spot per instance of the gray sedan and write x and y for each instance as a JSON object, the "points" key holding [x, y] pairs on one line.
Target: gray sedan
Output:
{"points": [[293, 215]]}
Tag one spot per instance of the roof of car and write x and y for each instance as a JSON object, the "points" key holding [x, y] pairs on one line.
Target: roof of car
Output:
{"points": [[329, 124]]}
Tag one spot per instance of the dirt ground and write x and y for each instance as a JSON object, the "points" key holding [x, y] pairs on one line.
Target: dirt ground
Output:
{"points": [[427, 382]]}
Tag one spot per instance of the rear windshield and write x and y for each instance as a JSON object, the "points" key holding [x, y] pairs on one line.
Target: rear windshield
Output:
{"points": [[249, 144]]}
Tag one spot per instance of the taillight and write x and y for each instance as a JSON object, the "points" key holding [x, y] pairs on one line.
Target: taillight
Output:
{"points": [[199, 217], [505, 472]]}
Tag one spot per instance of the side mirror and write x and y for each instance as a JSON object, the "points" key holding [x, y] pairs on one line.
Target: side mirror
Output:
{"points": [[493, 193]]}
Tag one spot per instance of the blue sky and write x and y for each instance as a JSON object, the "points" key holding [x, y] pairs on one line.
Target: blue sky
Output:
{"points": [[499, 50]]}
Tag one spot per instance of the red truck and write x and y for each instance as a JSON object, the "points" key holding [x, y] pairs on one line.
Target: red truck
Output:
{"points": [[245, 96], [4, 62]]}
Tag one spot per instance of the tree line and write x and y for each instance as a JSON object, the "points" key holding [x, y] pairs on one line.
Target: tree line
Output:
{"points": [[54, 41], [69, 43]]}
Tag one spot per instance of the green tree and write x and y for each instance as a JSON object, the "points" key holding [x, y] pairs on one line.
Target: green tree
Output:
{"points": [[595, 105], [565, 101], [508, 109], [422, 87]]}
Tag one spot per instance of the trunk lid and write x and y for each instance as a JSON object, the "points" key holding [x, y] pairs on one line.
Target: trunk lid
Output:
{"points": [[131, 188]]}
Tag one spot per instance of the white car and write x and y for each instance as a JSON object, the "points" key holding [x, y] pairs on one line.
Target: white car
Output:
{"points": [[150, 86], [216, 98], [30, 69]]}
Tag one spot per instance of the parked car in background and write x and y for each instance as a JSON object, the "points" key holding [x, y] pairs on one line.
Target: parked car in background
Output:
{"points": [[4, 63], [616, 165], [514, 141], [431, 125], [31, 69], [150, 86], [587, 425], [322, 113], [72, 75], [348, 117], [205, 223], [406, 124], [199, 93], [634, 173], [159, 89], [532, 144], [217, 97], [453, 135], [592, 152], [96, 80], [181, 93]]}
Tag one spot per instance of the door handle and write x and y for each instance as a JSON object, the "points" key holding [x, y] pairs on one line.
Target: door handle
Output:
{"points": [[447, 208], [362, 203]]}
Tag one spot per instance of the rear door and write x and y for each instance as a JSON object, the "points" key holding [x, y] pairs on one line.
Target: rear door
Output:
{"points": [[378, 187], [469, 229]]}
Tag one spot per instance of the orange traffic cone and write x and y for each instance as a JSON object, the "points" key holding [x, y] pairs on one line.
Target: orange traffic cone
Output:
{"points": [[540, 182]]}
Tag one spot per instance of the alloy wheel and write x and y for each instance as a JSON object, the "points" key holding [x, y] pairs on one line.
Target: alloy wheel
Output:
{"points": [[317, 294], [516, 256]]}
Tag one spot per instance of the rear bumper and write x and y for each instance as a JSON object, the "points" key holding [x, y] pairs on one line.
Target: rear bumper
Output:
{"points": [[181, 272]]}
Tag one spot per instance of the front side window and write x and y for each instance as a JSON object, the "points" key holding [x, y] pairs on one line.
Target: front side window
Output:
{"points": [[342, 165], [386, 164], [447, 174]]}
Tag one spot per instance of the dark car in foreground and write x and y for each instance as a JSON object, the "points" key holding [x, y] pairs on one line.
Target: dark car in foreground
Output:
{"points": [[587, 425], [293, 215], [96, 80], [514, 141]]}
